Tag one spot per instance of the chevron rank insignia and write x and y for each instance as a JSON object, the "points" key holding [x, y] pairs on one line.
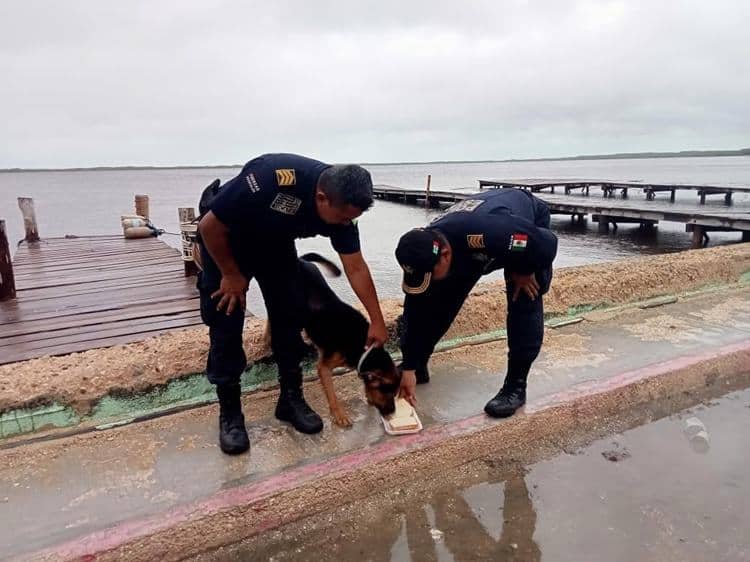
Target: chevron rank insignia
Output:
{"points": [[475, 241], [286, 177]]}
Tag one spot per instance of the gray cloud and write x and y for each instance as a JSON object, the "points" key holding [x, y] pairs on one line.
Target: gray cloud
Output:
{"points": [[89, 82]]}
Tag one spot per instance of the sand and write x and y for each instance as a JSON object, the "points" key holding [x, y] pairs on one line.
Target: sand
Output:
{"points": [[664, 328], [80, 379]]}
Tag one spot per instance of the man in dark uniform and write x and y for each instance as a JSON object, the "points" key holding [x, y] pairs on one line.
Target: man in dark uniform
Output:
{"points": [[250, 232], [501, 228]]}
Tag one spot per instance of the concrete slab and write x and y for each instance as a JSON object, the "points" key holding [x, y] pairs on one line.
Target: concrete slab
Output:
{"points": [[75, 486]]}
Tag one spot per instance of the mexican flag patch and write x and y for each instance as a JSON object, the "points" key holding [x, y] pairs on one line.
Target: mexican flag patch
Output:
{"points": [[518, 242]]}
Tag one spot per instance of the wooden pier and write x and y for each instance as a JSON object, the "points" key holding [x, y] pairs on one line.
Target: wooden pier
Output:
{"points": [[62, 295], [607, 212], [74, 294], [611, 187]]}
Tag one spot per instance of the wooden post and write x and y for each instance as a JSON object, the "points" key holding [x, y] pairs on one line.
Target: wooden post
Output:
{"points": [[603, 224], [699, 234], [672, 195], [728, 198], [703, 197], [7, 281], [427, 198], [26, 204], [188, 230], [746, 235], [141, 206]]}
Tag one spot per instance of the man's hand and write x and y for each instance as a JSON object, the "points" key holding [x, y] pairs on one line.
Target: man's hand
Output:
{"points": [[409, 387], [232, 291], [526, 283], [377, 334], [233, 286]]}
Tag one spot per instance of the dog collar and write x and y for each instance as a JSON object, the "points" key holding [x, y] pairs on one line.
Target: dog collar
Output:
{"points": [[362, 359]]}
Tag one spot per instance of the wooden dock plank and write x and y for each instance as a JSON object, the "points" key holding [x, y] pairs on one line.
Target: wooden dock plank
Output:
{"points": [[100, 301], [53, 312], [104, 330], [56, 323], [72, 347], [79, 293], [94, 287]]}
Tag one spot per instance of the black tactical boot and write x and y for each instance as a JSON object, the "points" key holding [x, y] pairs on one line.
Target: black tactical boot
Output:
{"points": [[232, 433], [505, 403], [292, 407]]}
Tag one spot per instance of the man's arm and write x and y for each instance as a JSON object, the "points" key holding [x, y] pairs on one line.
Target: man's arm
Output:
{"points": [[233, 287], [417, 342], [360, 280]]}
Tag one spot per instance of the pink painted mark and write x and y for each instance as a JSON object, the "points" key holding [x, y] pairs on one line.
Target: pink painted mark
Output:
{"points": [[90, 546]]}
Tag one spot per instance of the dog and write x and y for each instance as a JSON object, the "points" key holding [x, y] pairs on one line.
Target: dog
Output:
{"points": [[339, 332]]}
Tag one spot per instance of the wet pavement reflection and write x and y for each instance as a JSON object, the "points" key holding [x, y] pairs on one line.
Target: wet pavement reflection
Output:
{"points": [[654, 492]]}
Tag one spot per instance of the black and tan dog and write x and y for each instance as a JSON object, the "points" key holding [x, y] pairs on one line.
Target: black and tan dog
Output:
{"points": [[339, 332]]}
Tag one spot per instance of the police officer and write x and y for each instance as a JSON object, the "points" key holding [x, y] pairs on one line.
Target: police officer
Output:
{"points": [[250, 232], [499, 229]]}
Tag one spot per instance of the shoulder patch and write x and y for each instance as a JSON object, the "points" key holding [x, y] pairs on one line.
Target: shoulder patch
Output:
{"points": [[475, 241], [467, 205], [286, 177], [287, 204], [252, 183]]}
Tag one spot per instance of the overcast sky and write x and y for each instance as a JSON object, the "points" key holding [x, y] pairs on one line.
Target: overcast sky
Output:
{"points": [[215, 82]]}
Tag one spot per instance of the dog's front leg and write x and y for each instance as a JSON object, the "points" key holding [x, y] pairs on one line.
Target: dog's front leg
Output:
{"points": [[338, 412]]}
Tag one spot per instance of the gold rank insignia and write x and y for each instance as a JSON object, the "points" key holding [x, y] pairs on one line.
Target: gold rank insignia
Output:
{"points": [[475, 241], [286, 177]]}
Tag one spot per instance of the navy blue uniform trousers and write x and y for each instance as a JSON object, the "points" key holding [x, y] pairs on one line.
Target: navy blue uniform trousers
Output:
{"points": [[276, 269]]}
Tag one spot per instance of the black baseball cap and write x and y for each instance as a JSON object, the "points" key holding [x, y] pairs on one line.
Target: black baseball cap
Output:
{"points": [[417, 253]]}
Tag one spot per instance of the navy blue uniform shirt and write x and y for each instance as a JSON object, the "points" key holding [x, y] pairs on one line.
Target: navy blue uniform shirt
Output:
{"points": [[274, 198], [500, 228]]}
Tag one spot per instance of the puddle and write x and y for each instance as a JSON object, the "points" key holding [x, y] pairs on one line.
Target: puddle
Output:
{"points": [[674, 489]]}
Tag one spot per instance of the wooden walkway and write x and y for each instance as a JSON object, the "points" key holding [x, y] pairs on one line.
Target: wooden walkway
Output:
{"points": [[605, 211], [611, 187], [75, 294]]}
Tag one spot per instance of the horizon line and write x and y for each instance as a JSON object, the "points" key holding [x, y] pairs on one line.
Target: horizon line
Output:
{"points": [[610, 156]]}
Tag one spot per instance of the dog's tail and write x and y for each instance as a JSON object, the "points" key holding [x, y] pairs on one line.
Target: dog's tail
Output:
{"points": [[331, 268]]}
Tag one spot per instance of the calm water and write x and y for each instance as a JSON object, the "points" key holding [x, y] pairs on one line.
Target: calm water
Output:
{"points": [[90, 202]]}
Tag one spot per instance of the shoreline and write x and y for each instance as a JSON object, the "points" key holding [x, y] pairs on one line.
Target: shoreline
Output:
{"points": [[583, 157]]}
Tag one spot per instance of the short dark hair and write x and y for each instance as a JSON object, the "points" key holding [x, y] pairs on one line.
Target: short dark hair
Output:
{"points": [[347, 184]]}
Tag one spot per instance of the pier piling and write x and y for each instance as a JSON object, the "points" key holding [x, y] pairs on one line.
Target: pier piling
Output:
{"points": [[26, 204], [7, 280]]}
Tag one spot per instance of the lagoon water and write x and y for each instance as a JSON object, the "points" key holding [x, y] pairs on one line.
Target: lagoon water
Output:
{"points": [[90, 202]]}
